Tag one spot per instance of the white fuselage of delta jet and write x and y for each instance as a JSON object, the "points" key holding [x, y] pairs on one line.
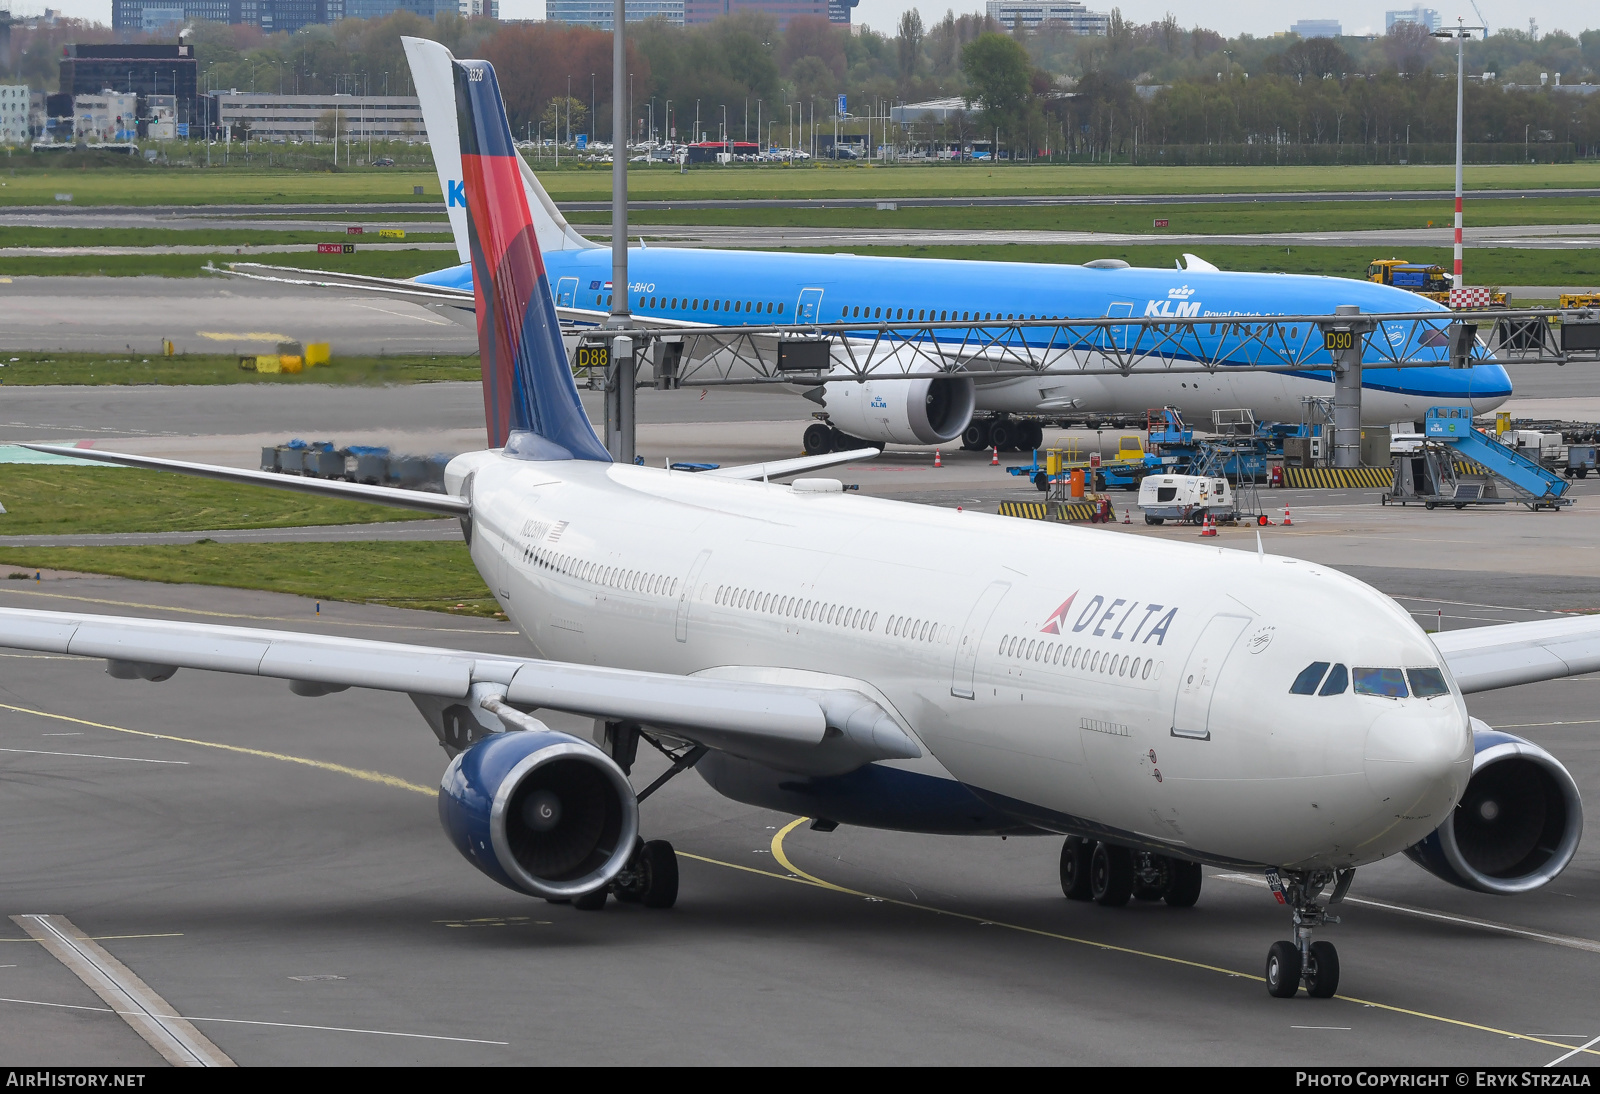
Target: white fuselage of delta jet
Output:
{"points": [[1079, 679]]}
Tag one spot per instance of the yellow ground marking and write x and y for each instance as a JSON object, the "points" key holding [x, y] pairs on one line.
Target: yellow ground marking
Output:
{"points": [[340, 769], [783, 859], [799, 876], [243, 336], [239, 615]]}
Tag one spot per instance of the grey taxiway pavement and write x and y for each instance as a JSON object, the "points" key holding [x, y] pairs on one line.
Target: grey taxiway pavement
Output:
{"points": [[271, 866]]}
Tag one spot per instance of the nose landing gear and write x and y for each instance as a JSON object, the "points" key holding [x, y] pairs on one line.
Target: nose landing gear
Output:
{"points": [[1315, 964]]}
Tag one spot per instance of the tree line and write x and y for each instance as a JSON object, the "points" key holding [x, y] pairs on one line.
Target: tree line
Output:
{"points": [[1158, 87]]}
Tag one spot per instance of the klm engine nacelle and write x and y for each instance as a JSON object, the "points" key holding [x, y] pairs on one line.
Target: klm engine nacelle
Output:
{"points": [[1516, 827], [540, 812], [931, 410]]}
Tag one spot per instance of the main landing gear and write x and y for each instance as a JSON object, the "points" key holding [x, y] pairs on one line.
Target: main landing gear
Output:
{"points": [[651, 876], [1111, 875], [1314, 964]]}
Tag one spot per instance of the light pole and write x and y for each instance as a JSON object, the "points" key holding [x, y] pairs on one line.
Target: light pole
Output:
{"points": [[625, 362], [1460, 35]]}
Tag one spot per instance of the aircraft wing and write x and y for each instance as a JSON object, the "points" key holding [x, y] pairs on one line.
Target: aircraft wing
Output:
{"points": [[799, 728], [444, 505], [1487, 658]]}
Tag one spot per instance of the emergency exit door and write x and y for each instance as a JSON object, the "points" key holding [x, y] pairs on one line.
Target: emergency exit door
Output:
{"points": [[1191, 714], [808, 309]]}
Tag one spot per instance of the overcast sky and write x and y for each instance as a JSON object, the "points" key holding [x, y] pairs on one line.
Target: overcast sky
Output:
{"points": [[1258, 17]]}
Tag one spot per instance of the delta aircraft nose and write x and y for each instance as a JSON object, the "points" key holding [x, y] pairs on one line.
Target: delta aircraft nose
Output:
{"points": [[1417, 763]]}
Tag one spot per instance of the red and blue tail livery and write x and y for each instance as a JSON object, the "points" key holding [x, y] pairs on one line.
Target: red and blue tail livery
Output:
{"points": [[530, 402]]}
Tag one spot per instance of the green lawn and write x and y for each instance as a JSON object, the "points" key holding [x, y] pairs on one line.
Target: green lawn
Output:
{"points": [[433, 576], [198, 237], [46, 499], [1483, 266], [29, 369], [254, 186], [371, 263], [1183, 219]]}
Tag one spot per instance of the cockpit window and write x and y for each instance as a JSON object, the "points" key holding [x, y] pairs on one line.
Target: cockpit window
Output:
{"points": [[1426, 683], [1337, 681], [1306, 683], [1389, 683]]}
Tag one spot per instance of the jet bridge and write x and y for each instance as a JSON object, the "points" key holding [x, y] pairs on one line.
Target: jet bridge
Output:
{"points": [[1459, 466]]}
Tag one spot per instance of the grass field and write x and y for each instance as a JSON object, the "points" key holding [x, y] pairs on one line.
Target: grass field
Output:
{"points": [[433, 576], [192, 186], [1183, 219], [31, 369], [1483, 266], [45, 499], [198, 237], [371, 263]]}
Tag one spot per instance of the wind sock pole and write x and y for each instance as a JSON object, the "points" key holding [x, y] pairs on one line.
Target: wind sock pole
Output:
{"points": [[621, 376]]}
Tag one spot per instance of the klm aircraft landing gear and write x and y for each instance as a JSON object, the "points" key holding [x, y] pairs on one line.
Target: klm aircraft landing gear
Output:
{"points": [[820, 438], [1314, 964]]}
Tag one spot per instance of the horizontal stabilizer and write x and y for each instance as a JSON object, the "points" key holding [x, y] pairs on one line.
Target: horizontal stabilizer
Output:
{"points": [[1487, 658], [444, 505], [778, 468]]}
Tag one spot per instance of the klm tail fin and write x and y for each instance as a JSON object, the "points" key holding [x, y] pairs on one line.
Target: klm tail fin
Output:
{"points": [[434, 77], [530, 400]]}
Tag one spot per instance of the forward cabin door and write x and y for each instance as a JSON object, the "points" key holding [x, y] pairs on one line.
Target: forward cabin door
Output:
{"points": [[566, 292], [1191, 714], [963, 674], [808, 309]]}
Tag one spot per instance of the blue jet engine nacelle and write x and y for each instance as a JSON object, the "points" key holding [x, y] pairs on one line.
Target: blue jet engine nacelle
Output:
{"points": [[1516, 827], [541, 812]]}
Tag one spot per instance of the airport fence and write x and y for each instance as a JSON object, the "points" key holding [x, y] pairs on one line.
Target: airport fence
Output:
{"points": [[1327, 155]]}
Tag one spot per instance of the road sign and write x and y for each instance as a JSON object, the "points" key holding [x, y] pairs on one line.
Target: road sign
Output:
{"points": [[842, 110]]}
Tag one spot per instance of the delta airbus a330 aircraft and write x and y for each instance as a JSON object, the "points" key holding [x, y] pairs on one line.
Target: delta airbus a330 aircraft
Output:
{"points": [[684, 288], [883, 664]]}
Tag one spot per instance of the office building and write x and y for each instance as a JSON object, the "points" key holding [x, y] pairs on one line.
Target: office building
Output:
{"points": [[270, 15], [1428, 18], [15, 108], [1317, 28], [1079, 19], [704, 11], [280, 118], [107, 117], [140, 70], [598, 13]]}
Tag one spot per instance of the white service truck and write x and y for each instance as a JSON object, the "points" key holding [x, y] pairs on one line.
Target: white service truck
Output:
{"points": [[1189, 498]]}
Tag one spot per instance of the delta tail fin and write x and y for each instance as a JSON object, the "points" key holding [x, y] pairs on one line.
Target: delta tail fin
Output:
{"points": [[434, 77], [530, 401]]}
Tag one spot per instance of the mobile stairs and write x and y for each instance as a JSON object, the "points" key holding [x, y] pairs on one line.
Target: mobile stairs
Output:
{"points": [[1461, 466]]}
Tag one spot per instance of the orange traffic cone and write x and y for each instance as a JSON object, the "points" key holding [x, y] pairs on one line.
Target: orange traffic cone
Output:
{"points": [[1210, 528], [1125, 518], [994, 460], [1287, 523], [937, 462]]}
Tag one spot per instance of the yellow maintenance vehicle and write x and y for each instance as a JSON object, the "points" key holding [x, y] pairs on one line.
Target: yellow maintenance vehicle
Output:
{"points": [[1580, 300], [1420, 278]]}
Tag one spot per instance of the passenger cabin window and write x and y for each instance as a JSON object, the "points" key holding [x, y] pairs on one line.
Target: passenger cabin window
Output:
{"points": [[1337, 681], [1388, 683], [1427, 683], [1310, 676]]}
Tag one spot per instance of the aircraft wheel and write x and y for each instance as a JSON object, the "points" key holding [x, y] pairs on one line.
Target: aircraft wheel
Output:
{"points": [[1283, 970], [659, 864], [1184, 888], [1032, 435], [1152, 884], [593, 900], [976, 436], [1111, 875], [818, 439], [1002, 435], [1075, 855], [1583, 472], [629, 886], [1322, 975]]}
